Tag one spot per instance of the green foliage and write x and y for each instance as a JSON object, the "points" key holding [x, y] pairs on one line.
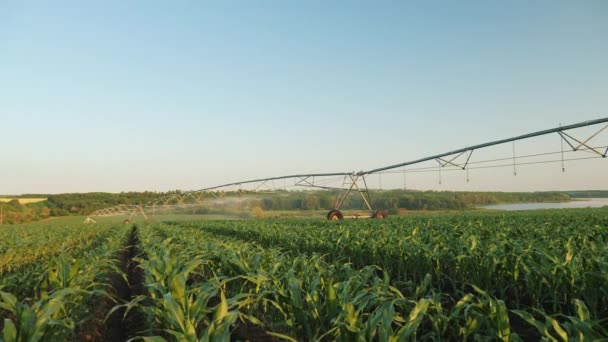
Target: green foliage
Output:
{"points": [[400, 199], [46, 290], [468, 276], [392, 200], [500, 264]]}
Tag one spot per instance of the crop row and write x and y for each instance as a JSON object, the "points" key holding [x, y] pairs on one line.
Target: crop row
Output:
{"points": [[543, 260], [206, 286], [480, 276], [22, 245], [55, 297]]}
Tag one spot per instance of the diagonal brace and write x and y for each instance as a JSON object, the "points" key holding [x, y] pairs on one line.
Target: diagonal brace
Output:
{"points": [[444, 162], [582, 143]]}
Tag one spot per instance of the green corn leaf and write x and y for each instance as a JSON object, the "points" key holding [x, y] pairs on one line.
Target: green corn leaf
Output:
{"points": [[174, 312], [332, 300], [222, 308], [10, 331], [148, 339], [470, 327], [414, 319], [281, 336], [177, 286], [387, 314], [352, 318], [128, 306], [9, 302], [582, 311], [542, 328], [560, 331], [26, 320], [502, 321], [570, 252], [463, 301]]}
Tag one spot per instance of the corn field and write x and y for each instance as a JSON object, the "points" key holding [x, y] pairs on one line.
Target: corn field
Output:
{"points": [[516, 276]]}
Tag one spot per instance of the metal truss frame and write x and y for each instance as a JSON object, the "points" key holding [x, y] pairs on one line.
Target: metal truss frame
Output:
{"points": [[497, 142], [571, 141], [356, 181]]}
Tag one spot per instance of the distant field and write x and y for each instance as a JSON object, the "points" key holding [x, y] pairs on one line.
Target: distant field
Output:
{"points": [[23, 200]]}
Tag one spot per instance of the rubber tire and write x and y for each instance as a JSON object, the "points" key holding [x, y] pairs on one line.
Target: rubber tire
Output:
{"points": [[334, 215], [380, 214]]}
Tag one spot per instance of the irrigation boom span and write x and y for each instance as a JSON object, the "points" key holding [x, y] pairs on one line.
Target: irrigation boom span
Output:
{"points": [[488, 144], [333, 174], [417, 161], [355, 181]]}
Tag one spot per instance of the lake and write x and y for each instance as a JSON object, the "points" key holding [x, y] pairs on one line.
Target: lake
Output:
{"points": [[576, 203]]}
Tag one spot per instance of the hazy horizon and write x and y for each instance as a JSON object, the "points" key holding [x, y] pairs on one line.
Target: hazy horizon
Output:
{"points": [[153, 96]]}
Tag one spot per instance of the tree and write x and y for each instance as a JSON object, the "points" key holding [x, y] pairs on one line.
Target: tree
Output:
{"points": [[45, 212]]}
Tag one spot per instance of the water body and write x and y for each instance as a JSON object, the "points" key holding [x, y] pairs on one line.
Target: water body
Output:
{"points": [[576, 203]]}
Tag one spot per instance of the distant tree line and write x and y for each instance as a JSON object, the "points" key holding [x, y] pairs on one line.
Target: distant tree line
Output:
{"points": [[70, 204], [399, 199], [588, 194], [392, 200], [86, 203]]}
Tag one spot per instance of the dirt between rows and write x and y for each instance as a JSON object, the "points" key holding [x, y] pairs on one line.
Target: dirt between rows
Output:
{"points": [[114, 327], [117, 327]]}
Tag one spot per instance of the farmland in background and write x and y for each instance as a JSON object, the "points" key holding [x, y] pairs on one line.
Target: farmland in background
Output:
{"points": [[28, 208], [22, 200], [447, 276]]}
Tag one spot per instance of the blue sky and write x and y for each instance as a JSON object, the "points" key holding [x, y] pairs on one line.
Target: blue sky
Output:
{"points": [[158, 95]]}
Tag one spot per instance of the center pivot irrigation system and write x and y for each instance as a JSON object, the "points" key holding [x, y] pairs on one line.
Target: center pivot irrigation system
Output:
{"points": [[355, 182]]}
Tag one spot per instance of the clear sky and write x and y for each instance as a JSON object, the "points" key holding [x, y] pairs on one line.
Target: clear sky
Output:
{"points": [[158, 95]]}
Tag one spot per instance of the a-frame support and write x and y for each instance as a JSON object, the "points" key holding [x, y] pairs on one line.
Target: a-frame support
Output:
{"points": [[354, 182], [584, 144]]}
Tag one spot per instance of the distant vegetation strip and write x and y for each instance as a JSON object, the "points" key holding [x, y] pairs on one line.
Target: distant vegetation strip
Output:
{"points": [[587, 193], [32, 207]]}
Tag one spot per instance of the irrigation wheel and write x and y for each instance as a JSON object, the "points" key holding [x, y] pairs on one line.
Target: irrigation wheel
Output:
{"points": [[380, 214], [334, 215]]}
